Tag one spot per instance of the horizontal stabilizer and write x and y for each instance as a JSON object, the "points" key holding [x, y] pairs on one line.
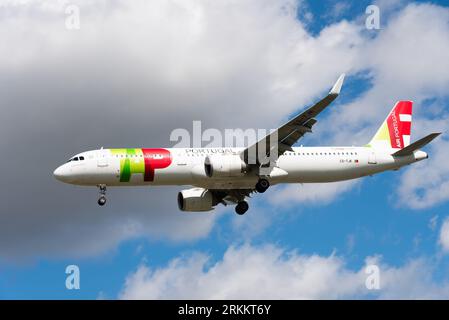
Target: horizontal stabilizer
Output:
{"points": [[416, 145]]}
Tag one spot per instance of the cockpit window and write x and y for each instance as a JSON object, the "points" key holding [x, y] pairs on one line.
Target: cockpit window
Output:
{"points": [[81, 158]]}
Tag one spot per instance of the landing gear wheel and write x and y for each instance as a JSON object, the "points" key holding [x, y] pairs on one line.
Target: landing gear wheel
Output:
{"points": [[241, 207], [262, 185], [102, 201]]}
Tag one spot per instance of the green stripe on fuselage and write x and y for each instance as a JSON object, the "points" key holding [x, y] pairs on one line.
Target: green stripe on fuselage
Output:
{"points": [[131, 162]]}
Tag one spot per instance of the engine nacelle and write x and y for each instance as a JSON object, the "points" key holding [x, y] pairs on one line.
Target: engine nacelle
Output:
{"points": [[195, 199], [224, 165]]}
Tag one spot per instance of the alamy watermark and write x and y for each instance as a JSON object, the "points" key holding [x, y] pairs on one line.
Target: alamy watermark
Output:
{"points": [[72, 281], [372, 21], [372, 281], [72, 20], [264, 153]]}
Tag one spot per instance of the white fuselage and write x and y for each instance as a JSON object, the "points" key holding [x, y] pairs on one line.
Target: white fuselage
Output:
{"points": [[186, 167]]}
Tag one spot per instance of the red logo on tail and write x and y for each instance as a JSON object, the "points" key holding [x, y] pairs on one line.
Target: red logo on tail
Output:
{"points": [[400, 123]]}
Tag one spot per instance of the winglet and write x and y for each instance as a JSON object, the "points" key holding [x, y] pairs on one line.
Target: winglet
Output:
{"points": [[337, 86]]}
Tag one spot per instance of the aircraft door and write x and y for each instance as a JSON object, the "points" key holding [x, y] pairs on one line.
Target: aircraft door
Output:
{"points": [[102, 158], [372, 158]]}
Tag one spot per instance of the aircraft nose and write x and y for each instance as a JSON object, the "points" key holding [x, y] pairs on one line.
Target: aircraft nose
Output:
{"points": [[60, 173]]}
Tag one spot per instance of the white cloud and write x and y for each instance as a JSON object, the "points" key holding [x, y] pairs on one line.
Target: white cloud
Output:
{"points": [[337, 10], [426, 184], [269, 272], [444, 235], [400, 66], [311, 193]]}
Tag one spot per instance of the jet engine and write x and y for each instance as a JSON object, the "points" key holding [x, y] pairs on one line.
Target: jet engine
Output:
{"points": [[195, 199], [226, 165]]}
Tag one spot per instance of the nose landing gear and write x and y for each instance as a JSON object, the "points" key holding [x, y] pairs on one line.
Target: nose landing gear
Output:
{"points": [[102, 198]]}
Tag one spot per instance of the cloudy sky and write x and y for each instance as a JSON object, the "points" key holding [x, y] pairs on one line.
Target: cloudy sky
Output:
{"points": [[134, 71]]}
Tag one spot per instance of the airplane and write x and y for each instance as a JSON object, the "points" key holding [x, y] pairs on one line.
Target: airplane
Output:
{"points": [[231, 175]]}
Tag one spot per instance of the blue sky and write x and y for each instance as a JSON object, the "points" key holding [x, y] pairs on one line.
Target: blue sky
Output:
{"points": [[371, 218]]}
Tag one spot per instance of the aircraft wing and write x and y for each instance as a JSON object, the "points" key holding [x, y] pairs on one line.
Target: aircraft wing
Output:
{"points": [[289, 133]]}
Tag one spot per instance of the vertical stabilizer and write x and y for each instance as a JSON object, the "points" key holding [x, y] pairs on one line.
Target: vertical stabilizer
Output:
{"points": [[394, 133]]}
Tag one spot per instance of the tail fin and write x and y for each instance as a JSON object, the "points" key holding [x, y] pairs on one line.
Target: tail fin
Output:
{"points": [[394, 133]]}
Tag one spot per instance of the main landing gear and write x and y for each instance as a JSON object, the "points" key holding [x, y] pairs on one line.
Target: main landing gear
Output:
{"points": [[262, 185], [102, 198], [241, 207]]}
